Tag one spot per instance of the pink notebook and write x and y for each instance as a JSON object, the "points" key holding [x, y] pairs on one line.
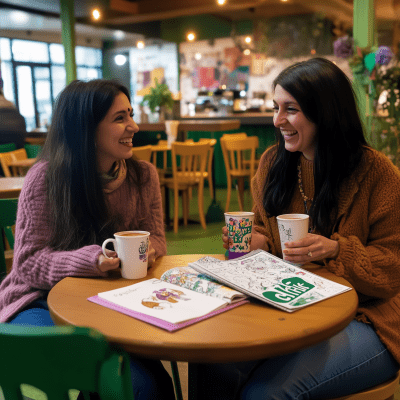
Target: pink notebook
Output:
{"points": [[159, 322]]}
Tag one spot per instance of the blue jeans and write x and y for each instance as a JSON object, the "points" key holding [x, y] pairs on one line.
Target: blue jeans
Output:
{"points": [[353, 360], [150, 380]]}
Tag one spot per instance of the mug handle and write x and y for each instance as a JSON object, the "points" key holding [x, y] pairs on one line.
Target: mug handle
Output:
{"points": [[103, 247]]}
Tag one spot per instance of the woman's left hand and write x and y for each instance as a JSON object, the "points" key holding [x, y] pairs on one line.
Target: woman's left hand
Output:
{"points": [[311, 248], [151, 255]]}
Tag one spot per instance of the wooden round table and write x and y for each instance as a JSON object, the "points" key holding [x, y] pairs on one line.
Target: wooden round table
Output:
{"points": [[10, 187], [249, 332]]}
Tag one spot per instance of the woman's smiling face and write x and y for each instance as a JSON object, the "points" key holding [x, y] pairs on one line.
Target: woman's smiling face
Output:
{"points": [[114, 133], [299, 133]]}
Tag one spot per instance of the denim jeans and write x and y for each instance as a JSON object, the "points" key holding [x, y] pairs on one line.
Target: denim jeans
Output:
{"points": [[353, 360], [150, 380]]}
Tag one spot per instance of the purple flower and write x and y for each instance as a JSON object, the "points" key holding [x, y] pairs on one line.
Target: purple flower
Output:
{"points": [[343, 47], [383, 55]]}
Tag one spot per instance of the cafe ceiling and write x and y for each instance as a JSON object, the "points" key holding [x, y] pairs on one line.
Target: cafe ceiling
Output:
{"points": [[127, 15]]}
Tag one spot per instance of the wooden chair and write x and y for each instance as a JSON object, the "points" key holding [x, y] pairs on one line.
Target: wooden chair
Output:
{"points": [[188, 170], [234, 136], [8, 216], [7, 158], [233, 153], [142, 152], [212, 143], [58, 359], [384, 391]]}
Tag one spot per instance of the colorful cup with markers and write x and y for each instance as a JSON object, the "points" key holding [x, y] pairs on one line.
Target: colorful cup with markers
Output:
{"points": [[240, 227]]}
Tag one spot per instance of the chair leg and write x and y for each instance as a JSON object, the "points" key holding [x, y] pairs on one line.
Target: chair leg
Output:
{"points": [[176, 210], [228, 194], [177, 381], [210, 185], [201, 205], [185, 206], [241, 193]]}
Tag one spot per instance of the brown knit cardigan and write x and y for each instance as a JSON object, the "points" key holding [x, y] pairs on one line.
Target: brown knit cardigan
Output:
{"points": [[368, 232]]}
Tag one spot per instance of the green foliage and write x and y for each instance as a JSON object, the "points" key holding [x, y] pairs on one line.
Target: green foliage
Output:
{"points": [[159, 96], [386, 124]]}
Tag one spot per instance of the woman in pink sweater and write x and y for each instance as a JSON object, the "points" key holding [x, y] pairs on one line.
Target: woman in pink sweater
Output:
{"points": [[85, 187]]}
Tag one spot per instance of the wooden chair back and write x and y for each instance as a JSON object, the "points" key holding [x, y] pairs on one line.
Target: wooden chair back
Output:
{"points": [[142, 153], [233, 136], [191, 158], [212, 143], [237, 166], [234, 151], [19, 154], [7, 158]]}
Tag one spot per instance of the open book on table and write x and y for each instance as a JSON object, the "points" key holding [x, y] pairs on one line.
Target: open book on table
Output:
{"points": [[270, 279], [181, 297]]}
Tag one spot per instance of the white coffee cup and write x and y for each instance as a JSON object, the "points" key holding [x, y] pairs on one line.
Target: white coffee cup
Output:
{"points": [[292, 227], [132, 248]]}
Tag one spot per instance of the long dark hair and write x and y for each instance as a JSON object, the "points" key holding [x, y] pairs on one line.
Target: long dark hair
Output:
{"points": [[326, 97], [79, 214]]}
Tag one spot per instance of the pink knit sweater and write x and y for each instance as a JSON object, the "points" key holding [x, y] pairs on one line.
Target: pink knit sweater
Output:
{"points": [[37, 268]]}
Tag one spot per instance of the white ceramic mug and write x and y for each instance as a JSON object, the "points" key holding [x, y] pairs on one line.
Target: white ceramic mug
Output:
{"points": [[132, 248]]}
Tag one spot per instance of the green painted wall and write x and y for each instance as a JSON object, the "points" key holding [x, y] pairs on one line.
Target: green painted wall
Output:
{"points": [[206, 27]]}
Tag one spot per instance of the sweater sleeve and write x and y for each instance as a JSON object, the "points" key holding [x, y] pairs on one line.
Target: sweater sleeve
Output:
{"points": [[35, 263], [370, 257]]}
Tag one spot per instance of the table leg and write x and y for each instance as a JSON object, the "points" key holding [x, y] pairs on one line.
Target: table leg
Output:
{"points": [[192, 381], [215, 213]]}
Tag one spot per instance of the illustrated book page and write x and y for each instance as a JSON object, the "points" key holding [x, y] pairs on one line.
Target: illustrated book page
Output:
{"points": [[189, 278], [163, 304], [270, 279]]}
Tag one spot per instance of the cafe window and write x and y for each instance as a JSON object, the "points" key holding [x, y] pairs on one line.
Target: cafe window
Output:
{"points": [[34, 75]]}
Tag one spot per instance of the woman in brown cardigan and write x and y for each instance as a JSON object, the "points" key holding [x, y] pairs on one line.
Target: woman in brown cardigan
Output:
{"points": [[323, 166]]}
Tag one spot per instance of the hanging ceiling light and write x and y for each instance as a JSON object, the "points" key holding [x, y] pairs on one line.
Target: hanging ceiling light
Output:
{"points": [[191, 36], [96, 14], [221, 2], [120, 59], [140, 44]]}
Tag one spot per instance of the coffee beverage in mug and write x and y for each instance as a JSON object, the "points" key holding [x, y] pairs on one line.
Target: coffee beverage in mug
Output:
{"points": [[132, 248], [130, 234]]}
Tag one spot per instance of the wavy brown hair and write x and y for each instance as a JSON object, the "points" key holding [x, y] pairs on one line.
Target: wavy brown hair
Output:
{"points": [[326, 98], [79, 214]]}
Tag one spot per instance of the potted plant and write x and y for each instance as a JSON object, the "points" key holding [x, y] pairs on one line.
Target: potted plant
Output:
{"points": [[159, 98]]}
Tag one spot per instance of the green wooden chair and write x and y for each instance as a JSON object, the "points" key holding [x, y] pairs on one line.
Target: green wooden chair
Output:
{"points": [[58, 359], [8, 216]]}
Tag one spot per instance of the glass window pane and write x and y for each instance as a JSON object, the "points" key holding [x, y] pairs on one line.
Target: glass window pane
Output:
{"points": [[5, 49], [25, 96], [87, 74], [27, 50], [8, 81], [88, 56], [59, 79], [57, 53], [41, 73], [43, 96]]}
